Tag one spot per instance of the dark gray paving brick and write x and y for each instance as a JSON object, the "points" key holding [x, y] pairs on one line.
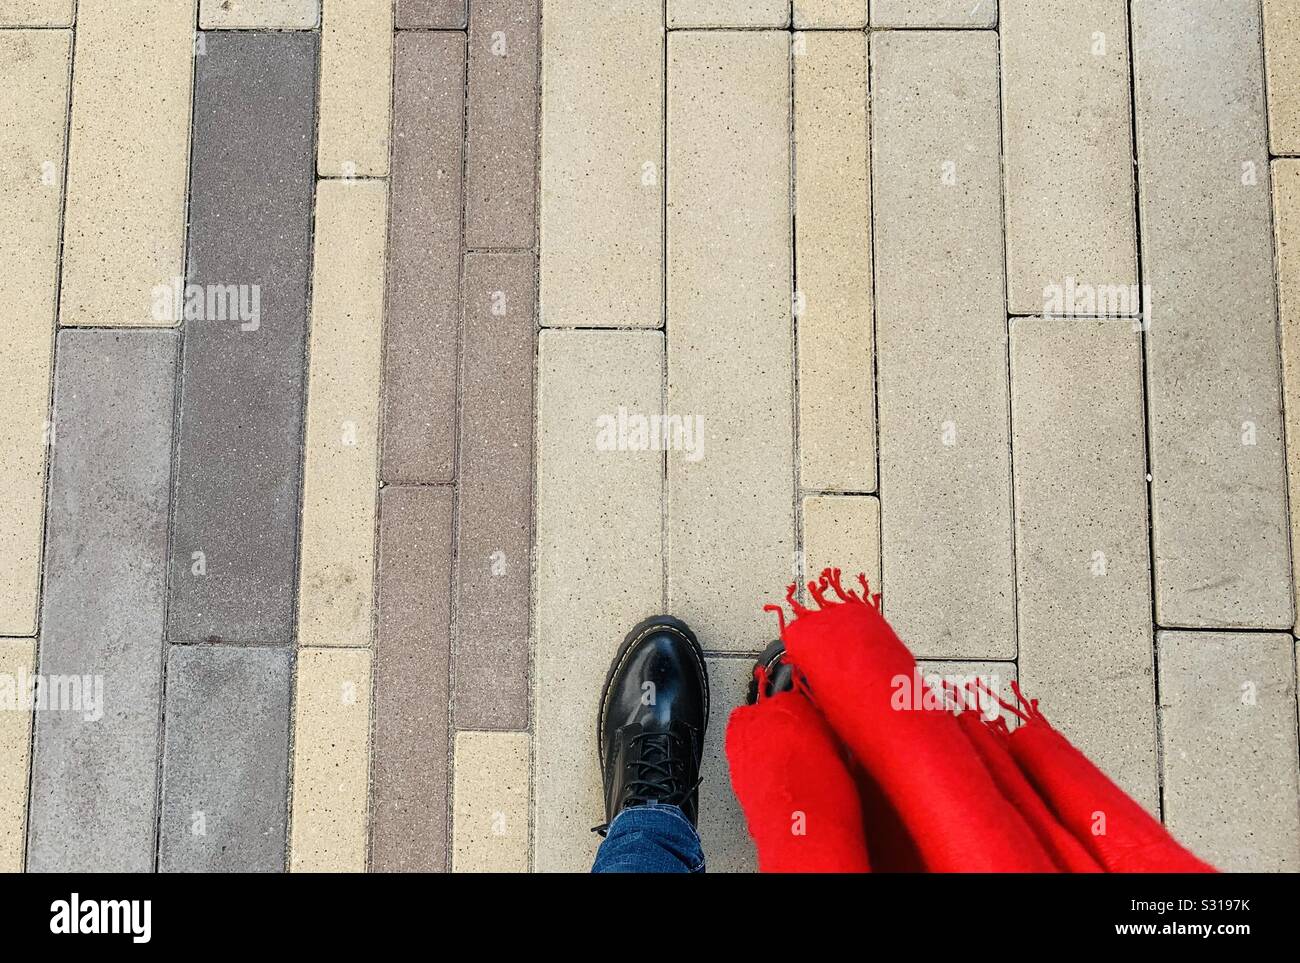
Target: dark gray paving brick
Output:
{"points": [[94, 778], [226, 759], [415, 14], [412, 663], [424, 258], [502, 145], [495, 517], [239, 451]]}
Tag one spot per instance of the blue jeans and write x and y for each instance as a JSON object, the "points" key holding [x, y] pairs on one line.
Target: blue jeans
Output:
{"points": [[650, 839]]}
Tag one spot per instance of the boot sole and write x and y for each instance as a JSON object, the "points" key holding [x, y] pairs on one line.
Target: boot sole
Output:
{"points": [[647, 627]]}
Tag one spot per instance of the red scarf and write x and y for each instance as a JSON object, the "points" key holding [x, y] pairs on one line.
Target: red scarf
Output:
{"points": [[841, 775]]}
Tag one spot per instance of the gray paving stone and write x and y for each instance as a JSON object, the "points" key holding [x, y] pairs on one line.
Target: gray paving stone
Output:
{"points": [[94, 785], [408, 823], [1082, 559], [731, 537], [934, 13], [1069, 154], [945, 480], [501, 161], [1213, 372], [239, 447], [599, 567], [424, 243], [1228, 734], [496, 455], [444, 14], [225, 778]]}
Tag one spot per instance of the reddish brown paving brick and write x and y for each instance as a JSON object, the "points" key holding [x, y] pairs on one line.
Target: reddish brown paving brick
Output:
{"points": [[495, 517], [502, 127], [424, 258], [417, 14], [409, 771]]}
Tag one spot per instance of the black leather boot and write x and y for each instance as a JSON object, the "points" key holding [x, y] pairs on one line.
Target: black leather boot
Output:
{"points": [[776, 669], [653, 714]]}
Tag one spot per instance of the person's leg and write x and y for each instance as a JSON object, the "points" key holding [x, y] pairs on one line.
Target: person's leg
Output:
{"points": [[650, 839], [650, 739]]}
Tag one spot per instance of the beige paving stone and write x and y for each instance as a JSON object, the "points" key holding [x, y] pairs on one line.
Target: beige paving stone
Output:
{"points": [[490, 821], [34, 77], [1218, 495], [1228, 740], [934, 13], [128, 160], [1082, 557], [1282, 57], [728, 13], [17, 662], [340, 475], [837, 403], [356, 88], [842, 531], [259, 14], [599, 567], [1069, 154], [1286, 224], [36, 13], [601, 164], [941, 348], [727, 845], [830, 13], [997, 676], [731, 500], [331, 762]]}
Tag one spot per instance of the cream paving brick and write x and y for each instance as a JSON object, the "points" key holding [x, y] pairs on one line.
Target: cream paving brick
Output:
{"points": [[356, 88], [941, 344], [599, 567], [340, 475], [1282, 57], [730, 500], [1228, 735], [830, 13], [728, 847], [490, 818], [36, 13], [934, 13], [34, 77], [17, 663], [259, 14], [1082, 557], [1069, 155], [128, 160], [1286, 224], [1219, 512], [837, 402], [728, 13], [842, 531], [997, 676], [331, 762], [601, 164]]}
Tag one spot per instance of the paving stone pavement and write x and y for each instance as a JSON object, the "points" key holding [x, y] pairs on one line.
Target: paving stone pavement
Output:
{"points": [[339, 332]]}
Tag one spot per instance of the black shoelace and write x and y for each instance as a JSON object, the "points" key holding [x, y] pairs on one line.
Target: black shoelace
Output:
{"points": [[661, 773]]}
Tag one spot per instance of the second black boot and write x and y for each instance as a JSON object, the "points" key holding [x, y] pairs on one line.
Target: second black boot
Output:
{"points": [[653, 714]]}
